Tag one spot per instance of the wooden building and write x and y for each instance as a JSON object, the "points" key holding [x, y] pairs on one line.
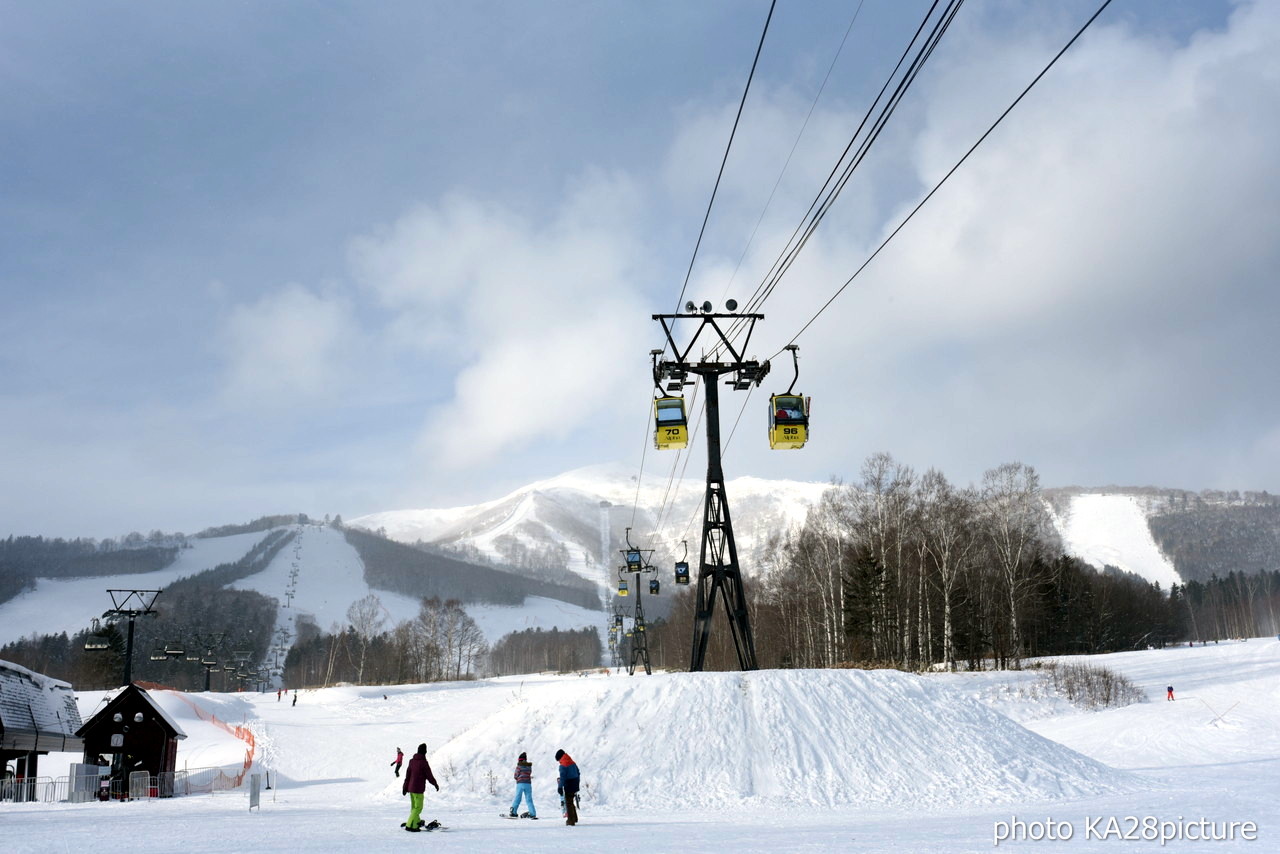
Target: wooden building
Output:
{"points": [[135, 734], [38, 715]]}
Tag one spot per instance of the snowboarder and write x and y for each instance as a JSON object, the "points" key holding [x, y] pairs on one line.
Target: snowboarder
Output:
{"points": [[295, 699], [398, 761], [1169, 694], [416, 777], [524, 788], [568, 786]]}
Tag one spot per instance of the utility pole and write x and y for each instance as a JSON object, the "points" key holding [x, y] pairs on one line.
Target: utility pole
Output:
{"points": [[718, 570]]}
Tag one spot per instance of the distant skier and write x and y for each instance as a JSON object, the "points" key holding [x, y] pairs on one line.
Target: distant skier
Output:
{"points": [[399, 760], [524, 788], [416, 777], [295, 699], [1169, 695], [568, 787]]}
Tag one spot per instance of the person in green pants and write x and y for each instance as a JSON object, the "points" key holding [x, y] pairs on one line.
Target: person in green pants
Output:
{"points": [[416, 776]]}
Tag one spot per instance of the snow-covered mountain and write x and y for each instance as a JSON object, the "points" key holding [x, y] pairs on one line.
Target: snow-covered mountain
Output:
{"points": [[586, 512]]}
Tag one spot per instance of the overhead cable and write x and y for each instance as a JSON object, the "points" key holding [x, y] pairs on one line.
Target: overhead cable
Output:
{"points": [[950, 172]]}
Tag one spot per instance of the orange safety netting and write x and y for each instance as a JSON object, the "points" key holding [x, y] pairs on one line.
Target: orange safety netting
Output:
{"points": [[241, 732]]}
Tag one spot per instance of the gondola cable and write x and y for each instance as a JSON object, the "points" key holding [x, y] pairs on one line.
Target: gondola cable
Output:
{"points": [[706, 217], [727, 148], [913, 72], [790, 154], [758, 296], [950, 172]]}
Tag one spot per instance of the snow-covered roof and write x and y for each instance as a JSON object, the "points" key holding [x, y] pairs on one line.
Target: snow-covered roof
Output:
{"points": [[37, 713], [113, 700]]}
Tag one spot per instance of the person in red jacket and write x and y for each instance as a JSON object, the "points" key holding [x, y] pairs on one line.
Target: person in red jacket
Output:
{"points": [[398, 761], [416, 777]]}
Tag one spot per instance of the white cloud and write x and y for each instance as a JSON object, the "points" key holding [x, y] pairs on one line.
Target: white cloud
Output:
{"points": [[290, 345], [542, 317]]}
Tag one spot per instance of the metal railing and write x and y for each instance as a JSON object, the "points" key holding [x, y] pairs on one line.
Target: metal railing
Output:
{"points": [[26, 789], [139, 785]]}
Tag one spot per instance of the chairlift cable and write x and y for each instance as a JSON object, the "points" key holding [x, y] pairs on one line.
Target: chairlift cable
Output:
{"points": [[756, 300], [787, 259], [707, 216], [662, 512], [950, 172], [795, 144], [644, 450], [725, 450], [725, 159]]}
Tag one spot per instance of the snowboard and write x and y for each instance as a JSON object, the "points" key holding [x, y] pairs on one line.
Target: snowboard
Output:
{"points": [[522, 815]]}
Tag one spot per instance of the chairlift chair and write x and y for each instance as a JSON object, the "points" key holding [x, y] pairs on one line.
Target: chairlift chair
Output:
{"points": [[157, 654]]}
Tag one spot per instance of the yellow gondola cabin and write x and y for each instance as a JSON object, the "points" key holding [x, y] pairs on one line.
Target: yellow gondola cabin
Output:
{"points": [[671, 424], [788, 421]]}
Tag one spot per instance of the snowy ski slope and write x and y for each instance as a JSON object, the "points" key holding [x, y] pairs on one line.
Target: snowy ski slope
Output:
{"points": [[1105, 529], [777, 761]]}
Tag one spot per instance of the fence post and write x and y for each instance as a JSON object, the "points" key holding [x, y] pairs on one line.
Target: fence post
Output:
{"points": [[255, 791]]}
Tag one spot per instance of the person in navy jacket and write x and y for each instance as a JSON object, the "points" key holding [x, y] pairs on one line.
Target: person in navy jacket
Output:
{"points": [[568, 787]]}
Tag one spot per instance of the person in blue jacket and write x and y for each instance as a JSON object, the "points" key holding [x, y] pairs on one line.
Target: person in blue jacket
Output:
{"points": [[568, 786]]}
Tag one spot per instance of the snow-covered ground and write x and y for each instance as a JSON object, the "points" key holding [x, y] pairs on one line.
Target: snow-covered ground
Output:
{"points": [[775, 761], [1103, 530]]}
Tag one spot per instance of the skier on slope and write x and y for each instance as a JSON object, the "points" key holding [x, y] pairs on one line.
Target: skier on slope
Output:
{"points": [[398, 761], [524, 788], [1169, 693], [416, 777]]}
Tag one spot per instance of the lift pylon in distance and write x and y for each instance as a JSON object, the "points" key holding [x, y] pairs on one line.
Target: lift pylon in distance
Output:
{"points": [[718, 572], [636, 561]]}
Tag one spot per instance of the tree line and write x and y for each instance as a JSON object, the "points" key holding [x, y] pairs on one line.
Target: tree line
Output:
{"points": [[399, 568], [24, 559], [441, 643], [197, 613], [911, 571], [534, 650]]}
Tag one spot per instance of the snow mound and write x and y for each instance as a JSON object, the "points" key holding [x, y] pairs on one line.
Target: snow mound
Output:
{"points": [[778, 738]]}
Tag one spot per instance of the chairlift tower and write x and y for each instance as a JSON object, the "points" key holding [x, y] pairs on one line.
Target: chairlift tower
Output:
{"points": [[636, 562], [130, 605], [718, 570]]}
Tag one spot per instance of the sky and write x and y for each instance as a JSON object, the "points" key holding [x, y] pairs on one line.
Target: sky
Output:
{"points": [[272, 258]]}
